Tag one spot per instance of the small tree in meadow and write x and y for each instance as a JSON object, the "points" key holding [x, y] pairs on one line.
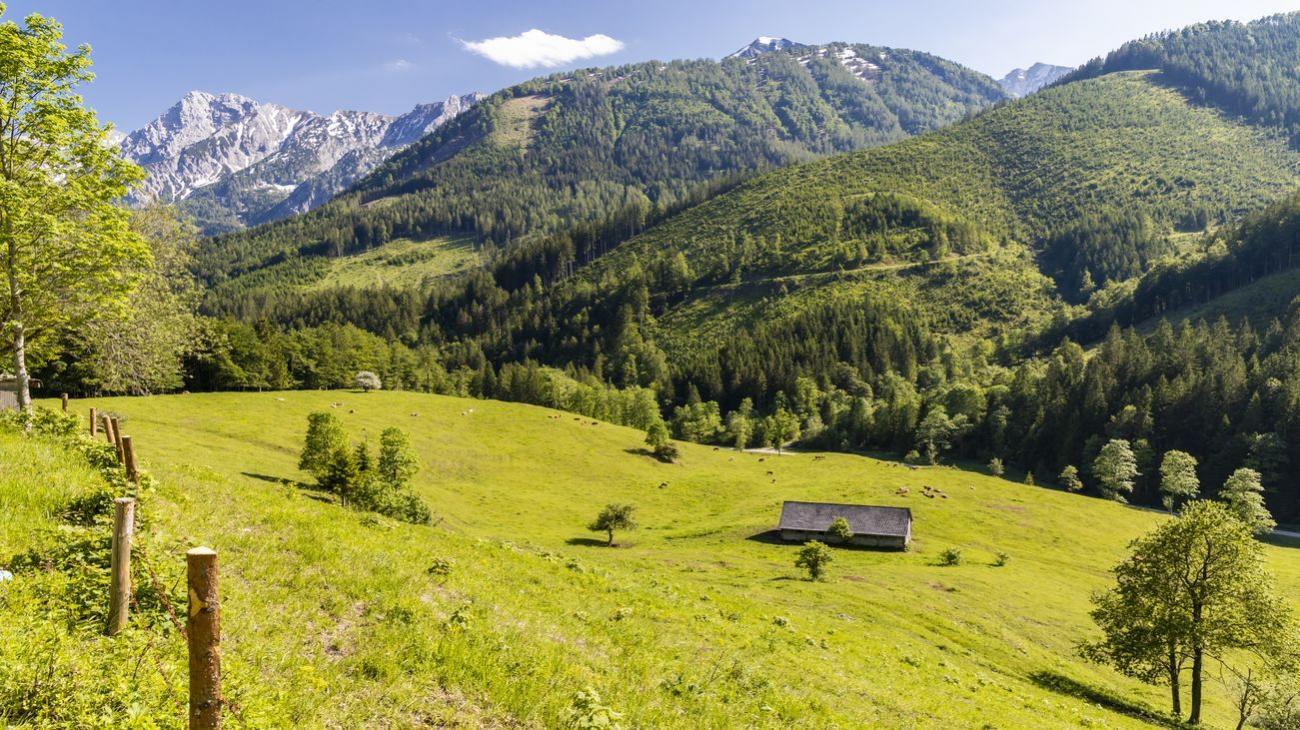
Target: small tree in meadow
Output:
{"points": [[398, 463], [341, 475], [657, 438], [841, 530], [367, 381], [325, 436], [1244, 495], [1070, 479], [1115, 469], [613, 517], [814, 557], [996, 468]]}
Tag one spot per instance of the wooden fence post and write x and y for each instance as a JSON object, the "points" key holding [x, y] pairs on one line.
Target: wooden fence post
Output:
{"points": [[128, 450], [119, 592], [94, 423], [65, 402], [203, 629], [108, 428], [117, 439]]}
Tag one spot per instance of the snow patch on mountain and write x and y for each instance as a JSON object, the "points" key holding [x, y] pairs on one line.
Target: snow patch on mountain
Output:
{"points": [[763, 44], [241, 160]]}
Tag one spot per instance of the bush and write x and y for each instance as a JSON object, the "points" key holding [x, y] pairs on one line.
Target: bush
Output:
{"points": [[613, 517], [996, 468], [841, 530], [950, 556], [1001, 559], [401, 505], [814, 557]]}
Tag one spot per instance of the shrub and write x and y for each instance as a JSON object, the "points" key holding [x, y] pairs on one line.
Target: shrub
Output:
{"points": [[1001, 559], [840, 529], [996, 468], [950, 556], [587, 712], [814, 557], [401, 505]]}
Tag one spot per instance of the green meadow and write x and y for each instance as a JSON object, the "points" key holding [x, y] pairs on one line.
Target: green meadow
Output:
{"points": [[507, 606]]}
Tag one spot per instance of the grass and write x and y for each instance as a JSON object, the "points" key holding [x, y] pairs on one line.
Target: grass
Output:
{"points": [[697, 619], [401, 263]]}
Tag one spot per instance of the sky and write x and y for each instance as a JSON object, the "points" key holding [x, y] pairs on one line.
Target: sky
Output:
{"points": [[389, 55]]}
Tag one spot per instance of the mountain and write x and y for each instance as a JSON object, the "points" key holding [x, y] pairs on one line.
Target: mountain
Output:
{"points": [[233, 161], [575, 148], [764, 44], [1023, 82]]}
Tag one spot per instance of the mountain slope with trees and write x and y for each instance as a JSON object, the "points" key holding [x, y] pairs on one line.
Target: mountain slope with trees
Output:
{"points": [[576, 147]]}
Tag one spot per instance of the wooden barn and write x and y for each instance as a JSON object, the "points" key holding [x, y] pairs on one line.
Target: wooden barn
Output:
{"points": [[883, 527]]}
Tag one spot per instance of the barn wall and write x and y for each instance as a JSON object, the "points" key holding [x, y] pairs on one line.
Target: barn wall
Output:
{"points": [[880, 541]]}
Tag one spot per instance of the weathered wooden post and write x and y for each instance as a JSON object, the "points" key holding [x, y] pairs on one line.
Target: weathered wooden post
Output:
{"points": [[119, 591], [94, 423], [108, 428], [203, 628], [117, 439], [128, 450], [65, 402]]}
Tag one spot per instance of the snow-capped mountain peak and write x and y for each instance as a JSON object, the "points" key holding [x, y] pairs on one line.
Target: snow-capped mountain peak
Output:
{"points": [[763, 44], [251, 161], [1023, 82]]}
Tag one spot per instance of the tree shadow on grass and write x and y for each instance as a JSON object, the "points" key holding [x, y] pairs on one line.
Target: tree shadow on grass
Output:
{"points": [[307, 489], [1106, 698], [648, 453], [588, 542]]}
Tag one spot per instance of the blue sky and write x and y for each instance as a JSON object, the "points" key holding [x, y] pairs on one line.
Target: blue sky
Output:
{"points": [[388, 55]]}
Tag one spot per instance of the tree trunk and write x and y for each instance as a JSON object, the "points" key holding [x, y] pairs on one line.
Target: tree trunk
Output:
{"points": [[20, 368], [1197, 661], [1175, 682], [611, 538]]}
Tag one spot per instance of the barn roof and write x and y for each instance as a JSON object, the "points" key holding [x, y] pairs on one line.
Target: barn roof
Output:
{"points": [[863, 519]]}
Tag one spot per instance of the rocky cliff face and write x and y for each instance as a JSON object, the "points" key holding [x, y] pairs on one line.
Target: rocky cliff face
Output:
{"points": [[232, 162], [1025, 81]]}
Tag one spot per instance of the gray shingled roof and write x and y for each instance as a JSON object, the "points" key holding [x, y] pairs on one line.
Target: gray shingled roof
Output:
{"points": [[863, 519]]}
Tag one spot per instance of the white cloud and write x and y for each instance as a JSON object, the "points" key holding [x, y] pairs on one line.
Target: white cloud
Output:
{"points": [[537, 48], [398, 66]]}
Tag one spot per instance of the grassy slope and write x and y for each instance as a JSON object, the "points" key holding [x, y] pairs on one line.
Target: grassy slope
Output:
{"points": [[1123, 141], [330, 614], [401, 263]]}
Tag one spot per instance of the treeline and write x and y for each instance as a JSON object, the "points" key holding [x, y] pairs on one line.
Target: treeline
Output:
{"points": [[1249, 69]]}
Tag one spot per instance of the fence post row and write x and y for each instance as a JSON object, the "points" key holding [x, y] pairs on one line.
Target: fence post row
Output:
{"points": [[128, 450], [117, 439], [119, 601], [203, 630]]}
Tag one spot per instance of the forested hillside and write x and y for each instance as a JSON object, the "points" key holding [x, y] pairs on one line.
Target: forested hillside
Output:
{"points": [[572, 148], [1249, 69]]}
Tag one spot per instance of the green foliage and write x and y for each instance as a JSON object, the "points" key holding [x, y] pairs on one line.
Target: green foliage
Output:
{"points": [[1069, 479], [1000, 559], [1115, 469], [698, 422], [398, 462], [1178, 481], [589, 712], [814, 557], [950, 556], [70, 252], [1195, 588], [1244, 495], [840, 530], [995, 467], [325, 438], [660, 443], [614, 517]]}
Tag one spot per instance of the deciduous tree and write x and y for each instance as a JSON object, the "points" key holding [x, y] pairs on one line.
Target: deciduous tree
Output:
{"points": [[66, 249]]}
